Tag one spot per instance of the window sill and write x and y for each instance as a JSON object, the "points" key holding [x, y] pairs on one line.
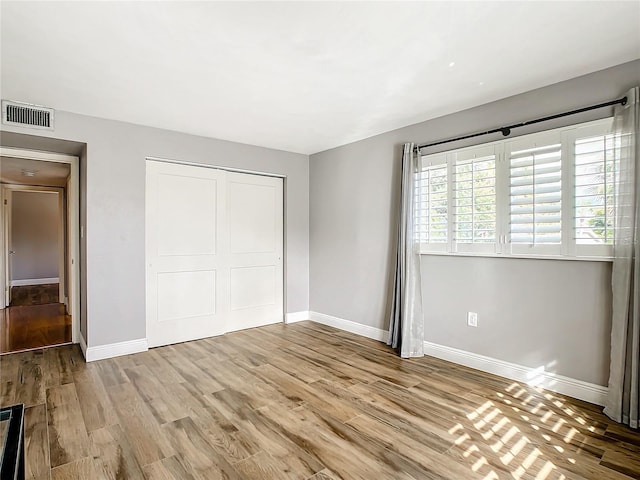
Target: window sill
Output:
{"points": [[526, 257]]}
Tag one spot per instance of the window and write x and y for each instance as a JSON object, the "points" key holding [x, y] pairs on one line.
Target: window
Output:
{"points": [[535, 194], [548, 194], [474, 200], [432, 203], [594, 175]]}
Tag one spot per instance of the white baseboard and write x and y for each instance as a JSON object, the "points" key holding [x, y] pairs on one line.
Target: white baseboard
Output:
{"points": [[586, 391], [34, 281], [115, 349], [294, 317], [83, 345], [349, 326]]}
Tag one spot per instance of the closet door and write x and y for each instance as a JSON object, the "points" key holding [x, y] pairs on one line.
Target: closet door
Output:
{"points": [[255, 216], [214, 249], [186, 251]]}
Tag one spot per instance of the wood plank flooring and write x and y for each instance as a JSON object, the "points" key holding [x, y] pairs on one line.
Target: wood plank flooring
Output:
{"points": [[300, 401], [33, 326]]}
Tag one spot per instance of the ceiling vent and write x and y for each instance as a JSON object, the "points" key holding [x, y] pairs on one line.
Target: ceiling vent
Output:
{"points": [[26, 115]]}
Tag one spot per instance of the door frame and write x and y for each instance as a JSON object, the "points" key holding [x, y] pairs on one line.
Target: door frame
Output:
{"points": [[72, 214], [7, 191], [217, 167]]}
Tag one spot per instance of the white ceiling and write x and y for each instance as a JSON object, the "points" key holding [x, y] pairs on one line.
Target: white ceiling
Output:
{"points": [[297, 76], [45, 174]]}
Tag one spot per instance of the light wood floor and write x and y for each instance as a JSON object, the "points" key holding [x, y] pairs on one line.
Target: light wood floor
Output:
{"points": [[301, 401]]}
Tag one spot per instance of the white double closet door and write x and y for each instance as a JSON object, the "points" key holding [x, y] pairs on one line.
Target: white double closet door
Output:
{"points": [[214, 246]]}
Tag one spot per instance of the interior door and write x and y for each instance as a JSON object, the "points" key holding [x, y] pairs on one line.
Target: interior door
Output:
{"points": [[255, 216], [187, 295]]}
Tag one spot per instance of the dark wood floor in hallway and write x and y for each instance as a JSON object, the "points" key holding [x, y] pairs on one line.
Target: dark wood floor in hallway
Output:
{"points": [[300, 401], [26, 327], [26, 295]]}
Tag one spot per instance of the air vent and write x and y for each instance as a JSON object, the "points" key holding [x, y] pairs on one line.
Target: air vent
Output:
{"points": [[25, 115]]}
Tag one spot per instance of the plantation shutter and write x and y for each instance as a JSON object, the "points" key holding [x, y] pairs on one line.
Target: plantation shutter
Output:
{"points": [[535, 198], [540, 195], [475, 201], [594, 181], [432, 212]]}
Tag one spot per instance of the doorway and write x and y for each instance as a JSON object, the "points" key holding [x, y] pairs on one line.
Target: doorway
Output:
{"points": [[38, 249]]}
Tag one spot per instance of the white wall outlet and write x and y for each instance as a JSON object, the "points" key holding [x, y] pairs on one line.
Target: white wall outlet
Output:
{"points": [[472, 319]]}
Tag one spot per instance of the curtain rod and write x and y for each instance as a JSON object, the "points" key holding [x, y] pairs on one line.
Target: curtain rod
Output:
{"points": [[506, 131]]}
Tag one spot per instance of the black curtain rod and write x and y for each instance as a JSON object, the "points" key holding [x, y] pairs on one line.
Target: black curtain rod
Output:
{"points": [[506, 131]]}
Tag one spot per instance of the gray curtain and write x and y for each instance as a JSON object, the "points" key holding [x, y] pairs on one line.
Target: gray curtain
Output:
{"points": [[623, 400], [406, 326]]}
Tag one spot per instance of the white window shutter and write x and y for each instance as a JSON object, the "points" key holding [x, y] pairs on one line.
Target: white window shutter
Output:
{"points": [[535, 198], [594, 190], [475, 200], [594, 171], [432, 209], [541, 195]]}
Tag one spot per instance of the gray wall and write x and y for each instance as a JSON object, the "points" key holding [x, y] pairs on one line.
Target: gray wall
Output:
{"points": [[353, 200], [113, 212], [539, 313], [35, 230]]}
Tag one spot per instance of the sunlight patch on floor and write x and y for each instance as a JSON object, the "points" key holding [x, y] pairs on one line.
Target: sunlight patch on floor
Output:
{"points": [[522, 454]]}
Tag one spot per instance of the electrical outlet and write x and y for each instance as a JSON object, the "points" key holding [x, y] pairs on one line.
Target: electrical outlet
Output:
{"points": [[472, 319]]}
